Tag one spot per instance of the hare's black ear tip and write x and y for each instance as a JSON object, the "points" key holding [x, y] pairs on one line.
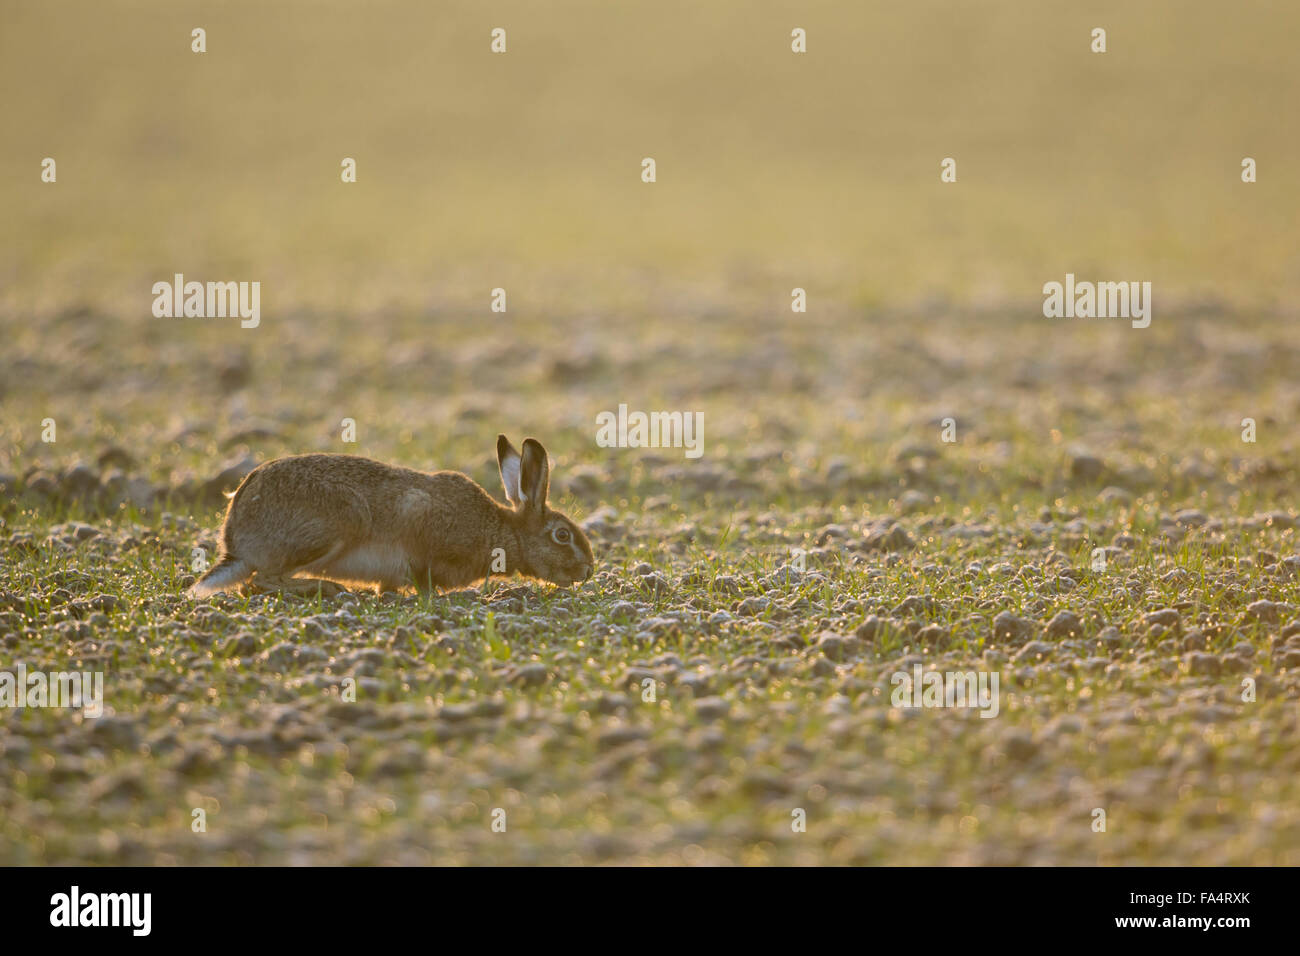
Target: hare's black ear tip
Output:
{"points": [[503, 443]]}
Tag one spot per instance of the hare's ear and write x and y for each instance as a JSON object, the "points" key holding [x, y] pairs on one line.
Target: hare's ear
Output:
{"points": [[534, 475], [509, 461]]}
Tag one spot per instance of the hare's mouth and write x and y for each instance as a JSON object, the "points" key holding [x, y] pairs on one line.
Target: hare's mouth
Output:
{"points": [[576, 577]]}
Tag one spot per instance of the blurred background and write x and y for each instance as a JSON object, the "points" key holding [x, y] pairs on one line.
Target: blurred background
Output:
{"points": [[522, 171], [477, 170]]}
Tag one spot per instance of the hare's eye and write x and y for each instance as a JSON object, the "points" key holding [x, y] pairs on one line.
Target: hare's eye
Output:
{"points": [[561, 535]]}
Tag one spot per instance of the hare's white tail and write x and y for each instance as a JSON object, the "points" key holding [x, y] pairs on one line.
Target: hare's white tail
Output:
{"points": [[225, 573]]}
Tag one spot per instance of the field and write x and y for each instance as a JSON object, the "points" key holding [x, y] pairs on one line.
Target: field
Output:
{"points": [[919, 469]]}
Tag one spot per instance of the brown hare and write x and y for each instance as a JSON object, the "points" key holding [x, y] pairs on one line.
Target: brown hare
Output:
{"points": [[355, 521]]}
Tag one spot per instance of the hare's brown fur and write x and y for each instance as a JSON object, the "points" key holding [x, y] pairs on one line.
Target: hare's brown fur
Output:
{"points": [[356, 521]]}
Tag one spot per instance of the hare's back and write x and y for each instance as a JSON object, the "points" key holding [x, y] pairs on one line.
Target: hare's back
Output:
{"points": [[347, 488], [325, 469]]}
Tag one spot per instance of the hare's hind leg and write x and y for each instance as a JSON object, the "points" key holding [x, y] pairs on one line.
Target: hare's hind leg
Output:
{"points": [[284, 580], [301, 530], [301, 587]]}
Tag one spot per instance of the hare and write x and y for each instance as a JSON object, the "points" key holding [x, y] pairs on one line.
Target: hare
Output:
{"points": [[355, 521]]}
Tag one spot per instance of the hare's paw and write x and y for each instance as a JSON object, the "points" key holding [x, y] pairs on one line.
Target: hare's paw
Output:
{"points": [[300, 587]]}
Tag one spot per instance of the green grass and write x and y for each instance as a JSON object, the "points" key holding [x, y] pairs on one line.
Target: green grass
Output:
{"points": [[409, 773]]}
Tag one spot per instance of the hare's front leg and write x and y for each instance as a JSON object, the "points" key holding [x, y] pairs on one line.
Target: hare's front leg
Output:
{"points": [[437, 577]]}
